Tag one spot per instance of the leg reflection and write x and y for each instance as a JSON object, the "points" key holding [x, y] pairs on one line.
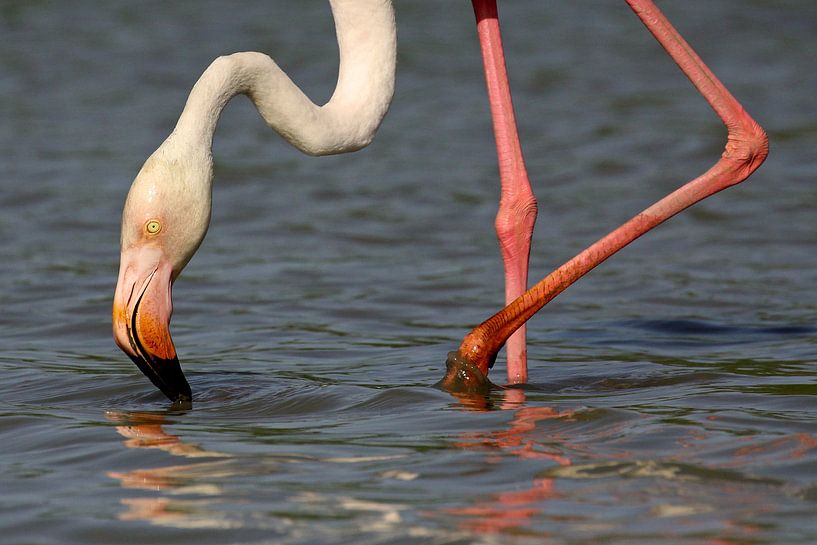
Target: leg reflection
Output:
{"points": [[511, 510]]}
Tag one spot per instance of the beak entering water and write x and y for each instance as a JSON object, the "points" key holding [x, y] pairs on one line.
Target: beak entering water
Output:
{"points": [[141, 320]]}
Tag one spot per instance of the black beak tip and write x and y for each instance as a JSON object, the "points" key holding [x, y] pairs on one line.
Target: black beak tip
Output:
{"points": [[180, 393], [167, 375]]}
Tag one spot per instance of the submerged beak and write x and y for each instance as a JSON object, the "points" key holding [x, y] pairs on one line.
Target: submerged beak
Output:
{"points": [[141, 319]]}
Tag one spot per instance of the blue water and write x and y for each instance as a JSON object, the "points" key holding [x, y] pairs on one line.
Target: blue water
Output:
{"points": [[672, 394]]}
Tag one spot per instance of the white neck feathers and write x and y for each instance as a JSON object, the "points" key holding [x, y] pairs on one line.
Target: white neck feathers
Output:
{"points": [[367, 39]]}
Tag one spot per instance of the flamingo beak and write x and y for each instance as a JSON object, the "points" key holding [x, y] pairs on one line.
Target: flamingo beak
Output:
{"points": [[141, 319]]}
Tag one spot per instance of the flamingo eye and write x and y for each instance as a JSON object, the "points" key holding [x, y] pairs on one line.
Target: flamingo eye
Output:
{"points": [[153, 227]]}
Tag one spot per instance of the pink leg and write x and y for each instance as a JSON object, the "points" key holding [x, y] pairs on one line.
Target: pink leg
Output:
{"points": [[746, 148], [517, 205]]}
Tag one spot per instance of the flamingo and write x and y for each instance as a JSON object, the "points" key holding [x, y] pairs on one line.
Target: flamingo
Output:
{"points": [[746, 148], [167, 210]]}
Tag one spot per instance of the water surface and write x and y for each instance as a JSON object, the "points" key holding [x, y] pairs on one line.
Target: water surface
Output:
{"points": [[672, 395]]}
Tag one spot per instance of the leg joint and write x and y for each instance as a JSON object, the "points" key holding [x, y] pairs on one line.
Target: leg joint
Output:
{"points": [[516, 216], [747, 144]]}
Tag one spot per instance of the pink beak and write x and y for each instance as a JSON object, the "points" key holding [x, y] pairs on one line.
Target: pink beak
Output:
{"points": [[141, 319]]}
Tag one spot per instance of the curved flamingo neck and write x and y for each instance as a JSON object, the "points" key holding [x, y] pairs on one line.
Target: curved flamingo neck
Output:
{"points": [[366, 37]]}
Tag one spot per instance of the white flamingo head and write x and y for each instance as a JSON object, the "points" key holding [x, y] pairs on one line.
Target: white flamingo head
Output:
{"points": [[164, 221]]}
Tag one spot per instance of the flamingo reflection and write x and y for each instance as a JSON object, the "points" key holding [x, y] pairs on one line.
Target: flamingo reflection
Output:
{"points": [[511, 510], [146, 431], [697, 496]]}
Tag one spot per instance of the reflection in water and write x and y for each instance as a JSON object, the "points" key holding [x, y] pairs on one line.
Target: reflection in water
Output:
{"points": [[800, 444], [175, 513], [693, 492], [176, 483], [511, 510], [145, 431], [507, 511]]}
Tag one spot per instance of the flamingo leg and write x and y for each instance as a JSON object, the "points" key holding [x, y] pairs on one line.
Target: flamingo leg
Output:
{"points": [[746, 148], [517, 205]]}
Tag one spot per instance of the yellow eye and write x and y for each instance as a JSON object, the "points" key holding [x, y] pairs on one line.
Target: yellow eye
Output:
{"points": [[153, 226]]}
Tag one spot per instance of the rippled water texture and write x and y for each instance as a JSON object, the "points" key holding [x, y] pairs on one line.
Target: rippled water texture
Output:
{"points": [[672, 395]]}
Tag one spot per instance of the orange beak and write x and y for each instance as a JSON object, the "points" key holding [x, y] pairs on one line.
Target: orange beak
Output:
{"points": [[141, 319]]}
